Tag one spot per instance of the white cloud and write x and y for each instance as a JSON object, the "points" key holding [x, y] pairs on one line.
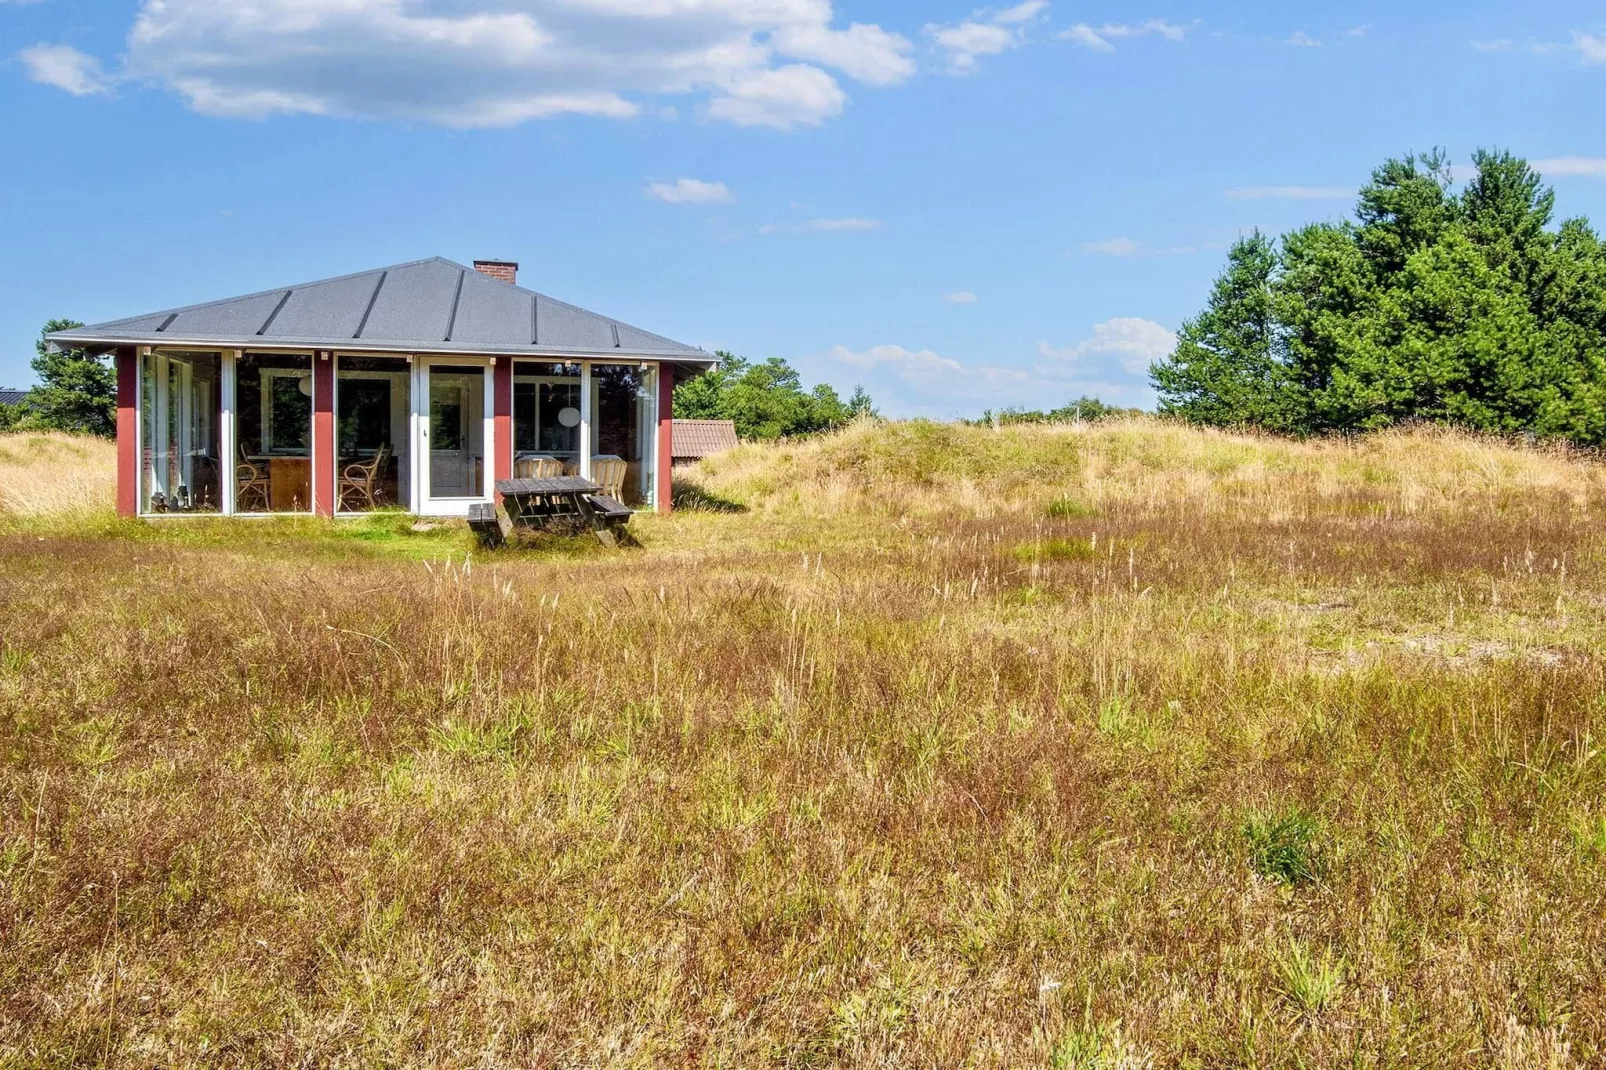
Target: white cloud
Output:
{"points": [[1360, 31], [1024, 12], [1134, 343], [967, 40], [963, 297], [849, 225], [1087, 37], [985, 33], [868, 54], [690, 191], [1128, 247], [905, 361], [844, 224], [1099, 39], [1591, 47], [469, 63], [1301, 39], [65, 68], [921, 382], [1589, 166], [787, 96], [1113, 247], [1290, 193]]}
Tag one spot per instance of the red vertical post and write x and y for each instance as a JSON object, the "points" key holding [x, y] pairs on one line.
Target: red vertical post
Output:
{"points": [[666, 436], [127, 432], [502, 427], [323, 434]]}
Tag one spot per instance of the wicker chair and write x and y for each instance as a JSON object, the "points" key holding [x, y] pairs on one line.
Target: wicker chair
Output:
{"points": [[359, 483], [251, 485], [538, 466], [609, 473]]}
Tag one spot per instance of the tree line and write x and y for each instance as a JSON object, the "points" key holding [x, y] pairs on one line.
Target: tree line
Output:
{"points": [[1464, 308], [766, 400], [1084, 409]]}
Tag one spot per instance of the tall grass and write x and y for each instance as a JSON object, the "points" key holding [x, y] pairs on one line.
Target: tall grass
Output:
{"points": [[1294, 761], [46, 473]]}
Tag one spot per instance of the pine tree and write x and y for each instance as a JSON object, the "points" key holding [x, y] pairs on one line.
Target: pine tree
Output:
{"points": [[1226, 369], [77, 391]]}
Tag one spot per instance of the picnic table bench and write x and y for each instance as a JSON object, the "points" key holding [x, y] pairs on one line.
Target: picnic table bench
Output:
{"points": [[548, 502]]}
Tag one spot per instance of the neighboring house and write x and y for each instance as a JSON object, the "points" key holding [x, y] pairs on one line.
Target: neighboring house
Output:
{"points": [[12, 397], [696, 439], [413, 386]]}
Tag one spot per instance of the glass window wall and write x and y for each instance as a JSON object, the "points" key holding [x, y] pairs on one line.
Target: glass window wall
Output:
{"points": [[373, 399], [546, 419], [624, 431], [180, 417], [273, 421]]}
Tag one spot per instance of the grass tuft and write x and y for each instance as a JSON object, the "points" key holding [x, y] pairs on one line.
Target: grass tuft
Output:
{"points": [[1069, 509], [1285, 845], [1311, 982]]}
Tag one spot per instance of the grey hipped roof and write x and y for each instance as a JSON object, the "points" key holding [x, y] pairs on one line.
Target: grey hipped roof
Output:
{"points": [[427, 306]]}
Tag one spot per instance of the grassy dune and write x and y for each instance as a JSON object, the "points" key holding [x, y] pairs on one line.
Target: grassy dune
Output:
{"points": [[51, 474], [1117, 746]]}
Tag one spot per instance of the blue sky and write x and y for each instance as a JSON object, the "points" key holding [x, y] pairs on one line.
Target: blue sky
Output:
{"points": [[958, 207]]}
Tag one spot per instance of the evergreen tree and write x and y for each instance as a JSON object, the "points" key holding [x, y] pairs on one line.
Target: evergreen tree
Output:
{"points": [[1405, 206], [1463, 309], [76, 391], [1225, 369]]}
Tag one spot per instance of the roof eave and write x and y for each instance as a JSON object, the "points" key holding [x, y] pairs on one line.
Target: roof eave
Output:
{"points": [[78, 338]]}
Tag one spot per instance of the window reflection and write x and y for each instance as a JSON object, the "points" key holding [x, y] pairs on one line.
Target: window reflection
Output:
{"points": [[180, 402], [273, 426]]}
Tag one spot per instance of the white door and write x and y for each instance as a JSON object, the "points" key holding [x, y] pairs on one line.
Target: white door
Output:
{"points": [[452, 418]]}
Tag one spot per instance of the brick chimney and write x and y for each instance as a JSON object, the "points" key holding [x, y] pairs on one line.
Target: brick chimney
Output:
{"points": [[505, 270]]}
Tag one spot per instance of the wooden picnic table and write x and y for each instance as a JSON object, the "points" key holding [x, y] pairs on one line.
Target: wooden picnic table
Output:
{"points": [[542, 502]]}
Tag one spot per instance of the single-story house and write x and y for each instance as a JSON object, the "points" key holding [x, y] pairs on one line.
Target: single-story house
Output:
{"points": [[12, 397], [414, 386], [695, 439]]}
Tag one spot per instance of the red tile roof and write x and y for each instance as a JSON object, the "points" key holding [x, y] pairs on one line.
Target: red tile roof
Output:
{"points": [[694, 439]]}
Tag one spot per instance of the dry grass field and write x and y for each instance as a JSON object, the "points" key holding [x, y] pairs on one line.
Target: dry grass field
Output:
{"points": [[1109, 747]]}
